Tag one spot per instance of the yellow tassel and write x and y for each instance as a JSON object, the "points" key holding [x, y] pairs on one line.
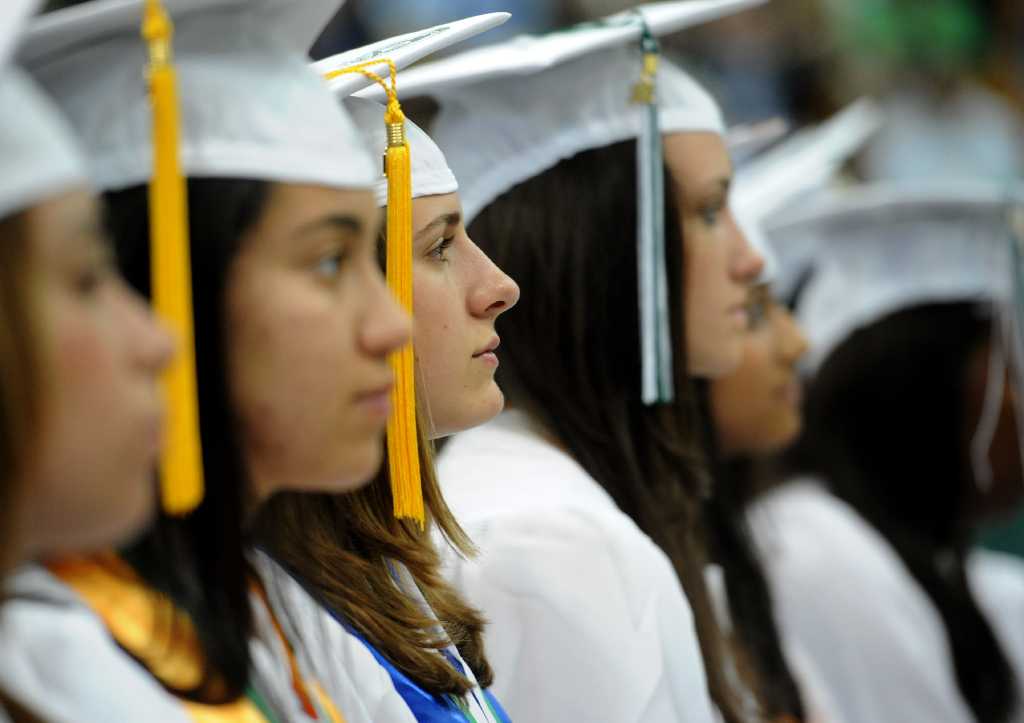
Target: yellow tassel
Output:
{"points": [[181, 465], [403, 448]]}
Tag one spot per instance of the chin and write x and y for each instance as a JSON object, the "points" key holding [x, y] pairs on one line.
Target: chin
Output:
{"points": [[357, 470]]}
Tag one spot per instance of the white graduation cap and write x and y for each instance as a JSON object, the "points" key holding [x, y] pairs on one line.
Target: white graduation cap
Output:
{"points": [[749, 139], [430, 173], [37, 151], [429, 168], [403, 51], [515, 109], [795, 169], [885, 247], [250, 105]]}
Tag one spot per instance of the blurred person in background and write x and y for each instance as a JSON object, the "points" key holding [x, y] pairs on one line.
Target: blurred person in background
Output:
{"points": [[910, 441]]}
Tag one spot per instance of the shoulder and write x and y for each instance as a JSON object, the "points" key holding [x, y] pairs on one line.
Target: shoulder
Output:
{"points": [[328, 653], [91, 679], [800, 528], [507, 466]]}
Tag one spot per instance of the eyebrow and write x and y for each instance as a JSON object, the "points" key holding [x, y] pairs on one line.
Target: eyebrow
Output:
{"points": [[334, 222], [442, 221]]}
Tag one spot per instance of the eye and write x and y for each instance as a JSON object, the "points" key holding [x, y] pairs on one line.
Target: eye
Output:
{"points": [[441, 247], [330, 265], [89, 279], [711, 213]]}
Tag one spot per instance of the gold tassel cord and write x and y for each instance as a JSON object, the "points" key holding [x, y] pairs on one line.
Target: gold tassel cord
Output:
{"points": [[403, 448], [181, 467]]}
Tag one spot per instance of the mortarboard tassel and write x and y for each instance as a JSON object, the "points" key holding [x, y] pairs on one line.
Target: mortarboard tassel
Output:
{"points": [[655, 329], [181, 465], [403, 447]]}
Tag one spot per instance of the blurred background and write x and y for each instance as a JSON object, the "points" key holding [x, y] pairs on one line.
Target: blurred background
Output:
{"points": [[949, 73]]}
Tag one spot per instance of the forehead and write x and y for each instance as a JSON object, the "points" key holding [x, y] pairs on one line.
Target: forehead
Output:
{"points": [[697, 159]]}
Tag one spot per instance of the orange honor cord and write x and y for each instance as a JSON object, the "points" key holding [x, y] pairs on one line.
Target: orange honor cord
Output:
{"points": [[403, 446], [181, 468]]}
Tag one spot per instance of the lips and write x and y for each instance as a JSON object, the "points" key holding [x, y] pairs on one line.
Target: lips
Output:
{"points": [[489, 349]]}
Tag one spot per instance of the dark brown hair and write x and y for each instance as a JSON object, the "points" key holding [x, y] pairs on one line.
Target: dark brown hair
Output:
{"points": [[19, 371], [885, 424], [340, 547], [756, 643], [571, 359]]}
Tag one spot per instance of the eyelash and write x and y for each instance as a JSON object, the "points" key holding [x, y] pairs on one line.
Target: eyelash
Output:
{"points": [[444, 245], [710, 214], [337, 259], [89, 281]]}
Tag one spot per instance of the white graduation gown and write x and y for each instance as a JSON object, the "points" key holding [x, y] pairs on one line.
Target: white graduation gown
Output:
{"points": [[997, 581], [340, 661], [818, 705], [351, 676], [59, 661], [844, 597], [587, 619]]}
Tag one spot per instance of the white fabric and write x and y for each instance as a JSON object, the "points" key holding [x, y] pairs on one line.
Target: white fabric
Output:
{"points": [[59, 661], [818, 706], [794, 169], [250, 105], [532, 54], [430, 172], [503, 132], [402, 50], [997, 581], [588, 620], [351, 675], [359, 687], [846, 600], [39, 156], [495, 123], [877, 249], [13, 16], [474, 702]]}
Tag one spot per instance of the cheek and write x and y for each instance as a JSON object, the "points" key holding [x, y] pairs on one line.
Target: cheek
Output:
{"points": [[707, 282], [292, 358], [93, 483], [437, 332]]}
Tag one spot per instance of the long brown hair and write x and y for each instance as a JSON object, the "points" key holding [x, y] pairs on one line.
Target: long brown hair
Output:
{"points": [[571, 356], [19, 371], [340, 547]]}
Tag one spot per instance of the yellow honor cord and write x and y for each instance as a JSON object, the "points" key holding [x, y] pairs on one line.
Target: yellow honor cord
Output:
{"points": [[403, 446], [181, 465]]}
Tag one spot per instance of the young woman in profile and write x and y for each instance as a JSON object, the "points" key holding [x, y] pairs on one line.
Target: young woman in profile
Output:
{"points": [[910, 441], [582, 499], [286, 291], [343, 561]]}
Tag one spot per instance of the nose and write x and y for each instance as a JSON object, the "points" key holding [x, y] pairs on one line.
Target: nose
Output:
{"points": [[386, 326], [492, 291], [152, 344], [747, 262]]}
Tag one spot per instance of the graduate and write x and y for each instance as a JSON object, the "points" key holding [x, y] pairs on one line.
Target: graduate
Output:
{"points": [[74, 338], [910, 441], [359, 565], [755, 412], [286, 291], [582, 496]]}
